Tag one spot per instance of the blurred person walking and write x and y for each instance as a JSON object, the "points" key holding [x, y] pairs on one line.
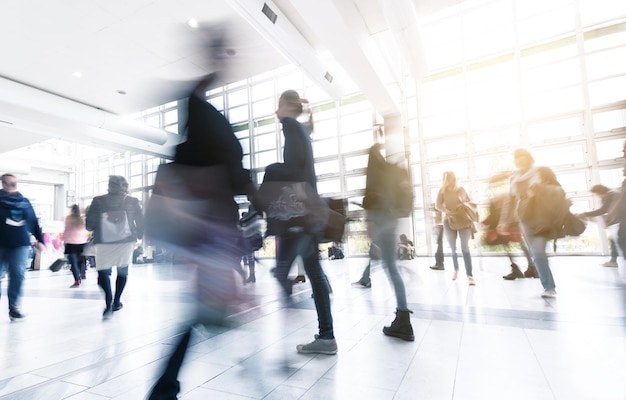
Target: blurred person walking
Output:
{"points": [[298, 166], [382, 222], [450, 200], [116, 220], [75, 237], [609, 198], [438, 232], [518, 207], [17, 222], [209, 223]]}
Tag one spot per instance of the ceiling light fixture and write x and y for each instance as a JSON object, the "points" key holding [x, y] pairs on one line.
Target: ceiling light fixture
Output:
{"points": [[122, 92], [77, 74], [193, 23]]}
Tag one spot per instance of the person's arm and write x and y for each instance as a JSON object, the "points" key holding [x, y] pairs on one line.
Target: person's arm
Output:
{"points": [[295, 147], [606, 206], [138, 219], [91, 219]]}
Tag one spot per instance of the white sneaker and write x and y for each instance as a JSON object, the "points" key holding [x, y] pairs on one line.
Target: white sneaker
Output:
{"points": [[319, 346], [549, 294], [610, 264]]}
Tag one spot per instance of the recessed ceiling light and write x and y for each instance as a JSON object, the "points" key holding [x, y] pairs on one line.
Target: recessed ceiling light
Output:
{"points": [[122, 92], [193, 23], [77, 74]]}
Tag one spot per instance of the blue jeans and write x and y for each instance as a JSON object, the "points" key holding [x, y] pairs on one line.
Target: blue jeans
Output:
{"points": [[289, 247], [537, 247], [383, 230], [15, 260], [465, 235]]}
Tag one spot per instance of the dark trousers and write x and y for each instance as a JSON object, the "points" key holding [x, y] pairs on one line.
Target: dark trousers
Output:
{"points": [[289, 247], [439, 252]]}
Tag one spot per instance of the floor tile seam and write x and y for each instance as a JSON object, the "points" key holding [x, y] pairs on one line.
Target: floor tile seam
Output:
{"points": [[536, 357]]}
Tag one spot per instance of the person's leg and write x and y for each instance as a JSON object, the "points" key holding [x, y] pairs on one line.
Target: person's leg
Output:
{"points": [[73, 260], [104, 281], [621, 239], [386, 239], [82, 262], [537, 247], [439, 252], [531, 271], [16, 260], [120, 284], [614, 251], [451, 238], [252, 268], [365, 276], [465, 236], [285, 256], [167, 387], [307, 247]]}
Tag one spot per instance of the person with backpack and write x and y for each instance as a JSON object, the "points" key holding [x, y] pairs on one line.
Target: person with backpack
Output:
{"points": [[534, 192], [386, 199], [116, 220], [17, 223], [452, 200]]}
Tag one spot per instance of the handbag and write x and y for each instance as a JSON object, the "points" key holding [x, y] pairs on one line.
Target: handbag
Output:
{"points": [[114, 226], [292, 208], [189, 204]]}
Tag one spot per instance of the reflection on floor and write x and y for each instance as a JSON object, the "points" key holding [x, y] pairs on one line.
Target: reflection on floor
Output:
{"points": [[496, 340]]}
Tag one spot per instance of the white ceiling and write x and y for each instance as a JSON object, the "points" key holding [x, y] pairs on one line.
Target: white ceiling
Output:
{"points": [[146, 49]]}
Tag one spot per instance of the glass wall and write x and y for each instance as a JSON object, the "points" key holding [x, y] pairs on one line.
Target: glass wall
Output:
{"points": [[542, 76]]}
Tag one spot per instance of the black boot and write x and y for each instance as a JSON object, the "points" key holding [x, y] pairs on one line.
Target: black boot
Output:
{"points": [[120, 284], [401, 326], [515, 273]]}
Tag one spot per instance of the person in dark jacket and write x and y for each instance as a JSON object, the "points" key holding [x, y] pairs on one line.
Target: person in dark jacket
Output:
{"points": [[17, 222], [114, 251], [298, 166], [381, 226], [210, 142], [608, 198]]}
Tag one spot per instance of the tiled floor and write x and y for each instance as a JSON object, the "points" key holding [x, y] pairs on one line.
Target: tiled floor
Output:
{"points": [[497, 340]]}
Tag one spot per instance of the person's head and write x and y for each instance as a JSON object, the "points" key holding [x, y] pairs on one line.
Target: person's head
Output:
{"points": [[75, 210], [9, 183], [599, 190], [117, 184], [523, 159], [403, 238], [449, 180], [290, 104]]}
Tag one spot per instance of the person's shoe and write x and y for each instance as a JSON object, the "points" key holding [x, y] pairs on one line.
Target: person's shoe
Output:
{"points": [[401, 326], [455, 275], [118, 306], [437, 267], [318, 346], [549, 294], [83, 276], [251, 279], [108, 313], [15, 314], [610, 264], [364, 284], [76, 284], [515, 273], [300, 278], [531, 272], [471, 281]]}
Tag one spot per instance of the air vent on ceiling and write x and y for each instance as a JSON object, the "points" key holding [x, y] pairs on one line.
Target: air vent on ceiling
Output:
{"points": [[5, 122], [271, 15], [328, 77]]}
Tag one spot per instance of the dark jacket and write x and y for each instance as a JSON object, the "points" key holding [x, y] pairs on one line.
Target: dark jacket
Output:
{"points": [[17, 221], [211, 141], [298, 165], [111, 202]]}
